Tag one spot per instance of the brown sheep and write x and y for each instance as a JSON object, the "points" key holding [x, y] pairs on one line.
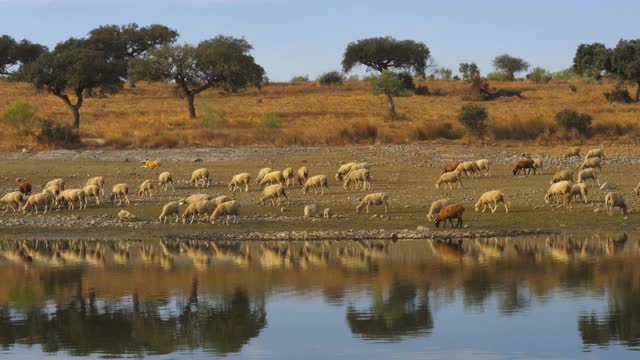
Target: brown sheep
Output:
{"points": [[526, 165], [450, 212], [25, 188], [450, 166]]}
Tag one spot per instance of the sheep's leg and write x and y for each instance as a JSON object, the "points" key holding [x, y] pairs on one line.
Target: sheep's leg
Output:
{"points": [[386, 208], [506, 209]]}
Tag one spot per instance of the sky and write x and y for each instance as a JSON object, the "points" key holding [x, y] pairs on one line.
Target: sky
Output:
{"points": [[308, 37]]}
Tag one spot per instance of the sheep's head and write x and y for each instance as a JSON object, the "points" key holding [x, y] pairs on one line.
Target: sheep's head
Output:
{"points": [[547, 198], [305, 188], [438, 184], [338, 177], [437, 221], [477, 207]]}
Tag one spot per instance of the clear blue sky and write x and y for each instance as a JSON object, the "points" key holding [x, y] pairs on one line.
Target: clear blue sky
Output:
{"points": [[297, 37]]}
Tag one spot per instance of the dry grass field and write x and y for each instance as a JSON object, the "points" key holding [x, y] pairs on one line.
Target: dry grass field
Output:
{"points": [[301, 114]]}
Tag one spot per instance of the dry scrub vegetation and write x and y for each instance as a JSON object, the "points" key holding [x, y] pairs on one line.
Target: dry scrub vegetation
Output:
{"points": [[306, 113]]}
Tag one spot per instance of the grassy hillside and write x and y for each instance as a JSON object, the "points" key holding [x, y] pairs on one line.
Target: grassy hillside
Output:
{"points": [[151, 115]]}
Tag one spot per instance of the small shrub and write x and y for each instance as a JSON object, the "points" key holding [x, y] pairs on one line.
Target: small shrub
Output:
{"points": [[539, 75], [20, 116], [270, 121], [618, 95], [436, 131], [57, 135], [331, 78], [573, 88], [570, 119], [407, 81], [421, 90], [299, 78], [474, 118], [359, 132], [497, 76]]}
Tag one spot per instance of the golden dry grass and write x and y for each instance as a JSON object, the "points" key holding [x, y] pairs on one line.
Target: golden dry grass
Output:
{"points": [[151, 115]]}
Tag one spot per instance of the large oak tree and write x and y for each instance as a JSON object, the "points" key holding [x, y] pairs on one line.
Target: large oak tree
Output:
{"points": [[15, 54], [510, 65]]}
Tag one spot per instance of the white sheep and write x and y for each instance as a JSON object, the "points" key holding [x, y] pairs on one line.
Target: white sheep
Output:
{"points": [[328, 213], [120, 192], [484, 165], [614, 199], [124, 215], [469, 167], [490, 198], [192, 199], [238, 180], [221, 199], [272, 193], [99, 181], [70, 197], [93, 190], [580, 189], [562, 188], [43, 200], [449, 178], [54, 182], [272, 178], [436, 206], [14, 199], [54, 189], [145, 189], [198, 209], [227, 209], [374, 199], [594, 163], [358, 176], [262, 173], [347, 168], [303, 175], [289, 176], [198, 175], [595, 153], [310, 210], [164, 180], [586, 174], [315, 182], [172, 208], [571, 152], [538, 164], [562, 175]]}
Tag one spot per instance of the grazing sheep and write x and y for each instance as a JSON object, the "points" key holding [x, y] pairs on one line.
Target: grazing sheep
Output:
{"points": [[14, 199], [271, 193], [151, 163], [450, 166], [92, 190], [449, 178], [526, 165], [228, 209], [164, 180], [469, 167], [200, 208], [262, 173], [571, 152], [99, 181], [595, 153], [25, 188], [562, 175], [56, 182], [43, 200], [238, 180], [358, 176], [70, 197], [288, 175], [192, 199], [272, 178], [198, 175], [145, 189], [120, 192], [345, 169], [492, 198], [484, 165], [586, 174], [172, 208], [374, 199], [221, 200], [538, 165], [614, 199], [54, 189], [450, 212], [124, 215], [328, 213], [580, 190], [591, 163], [562, 188], [310, 210], [436, 206], [303, 175], [315, 182]]}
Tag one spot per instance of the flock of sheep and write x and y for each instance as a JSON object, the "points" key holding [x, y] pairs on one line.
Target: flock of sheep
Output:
{"points": [[274, 184]]}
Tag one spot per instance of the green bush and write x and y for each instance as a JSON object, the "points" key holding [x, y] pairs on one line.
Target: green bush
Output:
{"points": [[539, 75], [331, 78], [618, 95], [270, 121], [497, 76], [57, 135], [474, 117], [299, 78], [421, 90], [20, 116], [571, 119], [407, 81]]}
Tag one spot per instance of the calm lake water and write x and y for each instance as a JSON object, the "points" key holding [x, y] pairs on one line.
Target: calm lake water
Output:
{"points": [[554, 297]]}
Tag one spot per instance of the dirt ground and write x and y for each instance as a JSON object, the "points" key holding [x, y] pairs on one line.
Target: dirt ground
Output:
{"points": [[406, 173]]}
